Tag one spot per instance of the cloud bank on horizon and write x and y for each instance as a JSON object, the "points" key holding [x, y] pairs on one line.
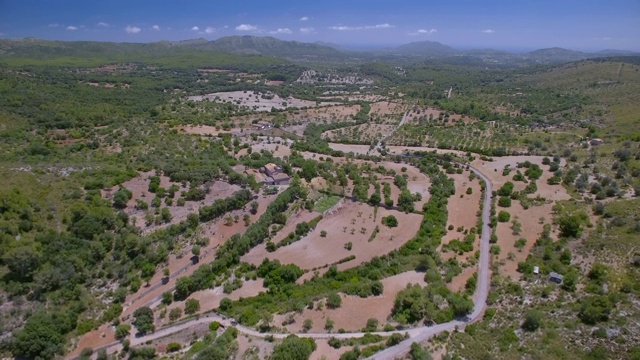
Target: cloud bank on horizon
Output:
{"points": [[581, 25]]}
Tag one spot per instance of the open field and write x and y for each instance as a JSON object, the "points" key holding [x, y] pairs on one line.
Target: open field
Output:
{"points": [[352, 223], [256, 101], [354, 312], [139, 187]]}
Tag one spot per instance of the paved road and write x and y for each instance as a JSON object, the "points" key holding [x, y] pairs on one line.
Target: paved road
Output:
{"points": [[418, 334], [479, 298]]}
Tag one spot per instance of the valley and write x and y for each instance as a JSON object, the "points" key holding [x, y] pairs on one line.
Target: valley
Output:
{"points": [[219, 201]]}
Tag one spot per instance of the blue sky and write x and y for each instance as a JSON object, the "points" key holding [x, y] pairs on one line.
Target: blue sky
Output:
{"points": [[500, 24]]}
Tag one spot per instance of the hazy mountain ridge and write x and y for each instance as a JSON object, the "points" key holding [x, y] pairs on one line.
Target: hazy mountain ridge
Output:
{"points": [[271, 46]]}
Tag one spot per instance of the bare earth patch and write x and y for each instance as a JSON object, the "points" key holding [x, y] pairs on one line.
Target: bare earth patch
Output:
{"points": [[343, 225], [257, 101], [354, 312], [462, 209], [205, 130]]}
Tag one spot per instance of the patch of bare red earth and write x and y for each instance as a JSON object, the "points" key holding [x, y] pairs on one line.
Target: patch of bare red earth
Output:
{"points": [[104, 335], [217, 233], [532, 220], [463, 212], [354, 312], [315, 251]]}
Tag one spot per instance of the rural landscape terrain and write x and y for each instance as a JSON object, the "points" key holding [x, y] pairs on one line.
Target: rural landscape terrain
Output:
{"points": [[254, 198]]}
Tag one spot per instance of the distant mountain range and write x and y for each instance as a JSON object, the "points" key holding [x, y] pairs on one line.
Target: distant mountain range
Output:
{"points": [[270, 46]]}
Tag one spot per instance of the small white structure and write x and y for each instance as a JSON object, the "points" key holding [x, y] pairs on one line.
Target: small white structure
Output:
{"points": [[536, 270]]}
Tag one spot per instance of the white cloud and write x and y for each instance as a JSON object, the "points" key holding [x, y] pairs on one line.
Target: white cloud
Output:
{"points": [[246, 27], [488, 31], [195, 28], [281, 31], [424, 32], [366, 27], [72, 28], [307, 30], [53, 25], [209, 30], [155, 27], [103, 24], [132, 29], [304, 18]]}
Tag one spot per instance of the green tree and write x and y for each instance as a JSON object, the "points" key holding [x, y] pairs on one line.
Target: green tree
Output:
{"points": [[405, 201], [595, 309], [307, 325], [23, 262], [503, 216], [175, 314], [532, 321], [122, 331], [334, 301], [191, 306], [372, 325], [143, 320], [570, 226], [390, 221], [293, 348], [419, 353]]}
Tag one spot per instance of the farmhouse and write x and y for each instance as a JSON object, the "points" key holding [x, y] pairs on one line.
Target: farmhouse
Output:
{"points": [[272, 169], [280, 179], [270, 174]]}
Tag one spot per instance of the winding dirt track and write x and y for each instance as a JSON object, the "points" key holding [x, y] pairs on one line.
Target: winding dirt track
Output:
{"points": [[418, 334]]}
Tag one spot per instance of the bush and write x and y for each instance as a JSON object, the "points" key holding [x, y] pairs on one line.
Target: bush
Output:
{"points": [[214, 326], [390, 221], [506, 189], [334, 301], [504, 216], [175, 314], [191, 306], [595, 309], [570, 226], [173, 347], [122, 331], [532, 321], [504, 201]]}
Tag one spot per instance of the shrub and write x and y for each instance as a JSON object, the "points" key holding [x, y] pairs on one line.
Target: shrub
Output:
{"points": [[214, 326], [504, 201], [390, 221], [334, 301], [191, 306], [570, 226], [506, 189], [595, 309], [532, 321], [173, 347], [175, 314], [504, 216]]}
